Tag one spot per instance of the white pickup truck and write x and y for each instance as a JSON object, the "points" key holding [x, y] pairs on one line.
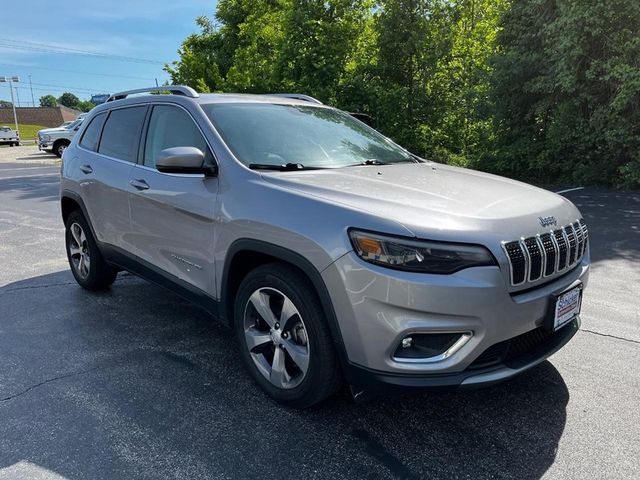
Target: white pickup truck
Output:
{"points": [[8, 136], [55, 140]]}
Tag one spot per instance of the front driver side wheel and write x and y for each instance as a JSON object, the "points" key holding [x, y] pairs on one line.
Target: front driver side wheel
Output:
{"points": [[88, 266], [283, 336]]}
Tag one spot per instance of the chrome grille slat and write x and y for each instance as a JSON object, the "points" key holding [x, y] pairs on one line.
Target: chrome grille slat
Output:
{"points": [[579, 238], [535, 258], [550, 250], [543, 255], [573, 244]]}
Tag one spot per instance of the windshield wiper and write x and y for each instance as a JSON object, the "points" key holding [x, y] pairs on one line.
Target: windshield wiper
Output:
{"points": [[287, 167], [373, 161], [368, 161]]}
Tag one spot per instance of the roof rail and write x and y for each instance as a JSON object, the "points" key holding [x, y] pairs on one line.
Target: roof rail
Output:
{"points": [[297, 96], [174, 89]]}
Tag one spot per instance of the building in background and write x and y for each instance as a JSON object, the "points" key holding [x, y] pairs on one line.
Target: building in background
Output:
{"points": [[98, 99], [44, 116]]}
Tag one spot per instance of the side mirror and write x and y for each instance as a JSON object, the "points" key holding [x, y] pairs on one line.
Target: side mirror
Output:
{"points": [[183, 160]]}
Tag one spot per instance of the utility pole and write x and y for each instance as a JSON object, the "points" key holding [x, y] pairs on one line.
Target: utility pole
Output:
{"points": [[33, 102], [10, 80]]}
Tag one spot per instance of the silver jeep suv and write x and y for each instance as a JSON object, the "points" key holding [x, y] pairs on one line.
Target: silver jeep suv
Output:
{"points": [[336, 255]]}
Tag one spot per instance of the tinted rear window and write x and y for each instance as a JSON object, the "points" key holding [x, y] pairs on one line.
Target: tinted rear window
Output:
{"points": [[91, 136], [121, 133]]}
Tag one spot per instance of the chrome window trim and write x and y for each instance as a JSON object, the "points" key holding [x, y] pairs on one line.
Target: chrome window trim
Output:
{"points": [[143, 141]]}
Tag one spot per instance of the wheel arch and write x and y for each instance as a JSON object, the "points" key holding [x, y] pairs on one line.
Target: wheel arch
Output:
{"points": [[71, 201], [245, 255]]}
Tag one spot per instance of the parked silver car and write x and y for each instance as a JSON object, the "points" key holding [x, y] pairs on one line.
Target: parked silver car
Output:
{"points": [[336, 255]]}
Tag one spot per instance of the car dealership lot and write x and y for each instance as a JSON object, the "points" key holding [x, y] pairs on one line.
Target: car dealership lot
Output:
{"points": [[137, 383]]}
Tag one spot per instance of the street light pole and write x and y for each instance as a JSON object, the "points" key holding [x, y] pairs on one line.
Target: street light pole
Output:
{"points": [[33, 102], [17, 96], [11, 80]]}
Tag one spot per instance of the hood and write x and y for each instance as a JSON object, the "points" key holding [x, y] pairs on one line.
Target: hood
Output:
{"points": [[48, 131], [436, 201]]}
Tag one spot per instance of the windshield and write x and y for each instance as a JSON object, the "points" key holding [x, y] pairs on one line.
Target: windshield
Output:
{"points": [[73, 124], [312, 137]]}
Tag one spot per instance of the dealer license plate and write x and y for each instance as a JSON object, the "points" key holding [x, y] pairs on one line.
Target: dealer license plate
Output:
{"points": [[567, 307]]}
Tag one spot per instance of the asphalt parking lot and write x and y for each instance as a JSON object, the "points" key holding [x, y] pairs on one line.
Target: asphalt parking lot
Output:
{"points": [[137, 383]]}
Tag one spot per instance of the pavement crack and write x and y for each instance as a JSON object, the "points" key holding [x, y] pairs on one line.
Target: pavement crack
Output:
{"points": [[30, 287], [44, 382], [611, 336]]}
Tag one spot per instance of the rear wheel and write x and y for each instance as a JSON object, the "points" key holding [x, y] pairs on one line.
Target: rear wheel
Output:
{"points": [[88, 266], [284, 339]]}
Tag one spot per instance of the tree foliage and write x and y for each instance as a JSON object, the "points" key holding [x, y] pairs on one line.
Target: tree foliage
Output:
{"points": [[71, 101], [544, 90], [48, 101], [68, 100], [567, 92]]}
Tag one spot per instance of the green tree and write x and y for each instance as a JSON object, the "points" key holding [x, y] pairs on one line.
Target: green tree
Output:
{"points": [[48, 101], [5, 104], [567, 92], [319, 41], [85, 105], [69, 100]]}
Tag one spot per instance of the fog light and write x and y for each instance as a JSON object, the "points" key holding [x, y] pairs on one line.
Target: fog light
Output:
{"points": [[430, 347], [407, 342]]}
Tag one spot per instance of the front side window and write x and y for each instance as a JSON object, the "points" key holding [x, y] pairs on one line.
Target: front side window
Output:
{"points": [[314, 137], [172, 127], [91, 136], [121, 133]]}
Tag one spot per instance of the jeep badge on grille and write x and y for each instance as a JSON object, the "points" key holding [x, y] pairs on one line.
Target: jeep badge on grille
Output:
{"points": [[546, 221]]}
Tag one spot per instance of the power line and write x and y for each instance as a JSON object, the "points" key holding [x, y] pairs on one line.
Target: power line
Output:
{"points": [[73, 88], [35, 47], [22, 65]]}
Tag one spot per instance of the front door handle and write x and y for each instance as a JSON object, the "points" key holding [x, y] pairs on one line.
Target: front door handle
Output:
{"points": [[139, 184], [86, 169]]}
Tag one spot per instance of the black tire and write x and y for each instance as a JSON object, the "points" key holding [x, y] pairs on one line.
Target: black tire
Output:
{"points": [[322, 377], [59, 146], [100, 275]]}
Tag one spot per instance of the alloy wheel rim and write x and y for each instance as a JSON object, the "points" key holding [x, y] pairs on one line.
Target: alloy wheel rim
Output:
{"points": [[276, 337], [61, 149], [79, 251]]}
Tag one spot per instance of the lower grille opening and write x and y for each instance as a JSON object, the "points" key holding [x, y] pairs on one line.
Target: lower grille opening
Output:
{"points": [[512, 350]]}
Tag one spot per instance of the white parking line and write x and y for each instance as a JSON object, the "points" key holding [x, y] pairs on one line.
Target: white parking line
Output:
{"points": [[25, 168], [30, 176], [570, 190]]}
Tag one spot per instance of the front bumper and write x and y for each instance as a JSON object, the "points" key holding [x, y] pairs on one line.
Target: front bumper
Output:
{"points": [[377, 307]]}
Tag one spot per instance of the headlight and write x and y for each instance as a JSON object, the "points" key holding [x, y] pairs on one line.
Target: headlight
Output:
{"points": [[418, 255], [46, 138]]}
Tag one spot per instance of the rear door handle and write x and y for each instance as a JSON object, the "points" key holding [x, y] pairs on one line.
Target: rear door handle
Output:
{"points": [[139, 184], [86, 169]]}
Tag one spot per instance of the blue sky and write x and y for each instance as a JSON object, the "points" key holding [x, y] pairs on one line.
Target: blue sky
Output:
{"points": [[144, 29]]}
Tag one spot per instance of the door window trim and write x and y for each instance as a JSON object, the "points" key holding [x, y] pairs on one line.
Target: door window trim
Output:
{"points": [[143, 140], [89, 123], [139, 140]]}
